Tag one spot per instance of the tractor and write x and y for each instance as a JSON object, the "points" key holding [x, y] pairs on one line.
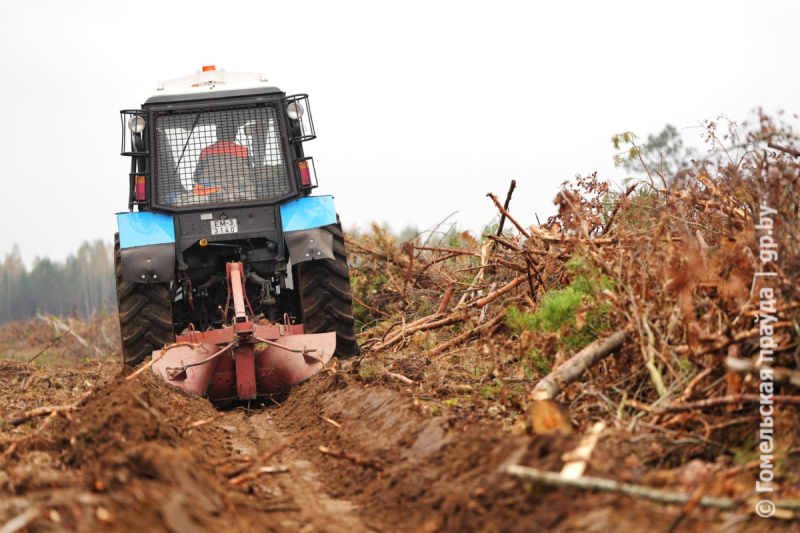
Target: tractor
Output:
{"points": [[229, 272]]}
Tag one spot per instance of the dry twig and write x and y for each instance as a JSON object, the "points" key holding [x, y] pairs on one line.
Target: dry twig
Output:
{"points": [[352, 458]]}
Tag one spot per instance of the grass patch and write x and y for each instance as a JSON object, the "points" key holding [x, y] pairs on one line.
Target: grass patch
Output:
{"points": [[452, 402], [491, 391]]}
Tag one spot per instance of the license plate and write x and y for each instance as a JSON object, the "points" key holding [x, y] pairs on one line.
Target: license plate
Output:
{"points": [[222, 227]]}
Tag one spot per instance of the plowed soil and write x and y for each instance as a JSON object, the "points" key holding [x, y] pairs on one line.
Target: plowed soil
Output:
{"points": [[128, 460]]}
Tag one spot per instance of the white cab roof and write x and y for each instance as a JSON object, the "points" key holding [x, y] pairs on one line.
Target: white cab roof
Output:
{"points": [[202, 82]]}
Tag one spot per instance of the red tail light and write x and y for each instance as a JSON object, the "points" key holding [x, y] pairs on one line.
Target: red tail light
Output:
{"points": [[305, 173], [139, 191]]}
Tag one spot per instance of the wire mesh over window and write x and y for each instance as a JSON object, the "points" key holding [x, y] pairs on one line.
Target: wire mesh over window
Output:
{"points": [[217, 156]]}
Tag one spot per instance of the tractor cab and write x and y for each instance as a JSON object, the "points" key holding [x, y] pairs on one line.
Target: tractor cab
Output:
{"points": [[217, 138], [218, 181]]}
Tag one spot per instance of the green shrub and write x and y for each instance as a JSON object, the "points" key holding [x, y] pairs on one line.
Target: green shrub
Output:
{"points": [[557, 313]]}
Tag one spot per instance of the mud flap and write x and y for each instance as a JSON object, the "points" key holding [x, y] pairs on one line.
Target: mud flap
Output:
{"points": [[148, 264], [309, 244]]}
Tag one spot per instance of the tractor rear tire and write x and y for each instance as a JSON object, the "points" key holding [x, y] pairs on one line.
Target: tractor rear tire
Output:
{"points": [[145, 314], [326, 298]]}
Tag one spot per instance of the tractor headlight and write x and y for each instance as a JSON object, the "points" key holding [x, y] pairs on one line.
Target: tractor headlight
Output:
{"points": [[136, 124], [295, 111]]}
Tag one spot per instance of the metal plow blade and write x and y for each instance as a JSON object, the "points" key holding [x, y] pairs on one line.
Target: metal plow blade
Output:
{"points": [[244, 360], [171, 367], [239, 372], [277, 370]]}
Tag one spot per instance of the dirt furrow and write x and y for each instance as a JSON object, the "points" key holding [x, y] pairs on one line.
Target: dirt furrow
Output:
{"points": [[299, 498], [359, 455]]}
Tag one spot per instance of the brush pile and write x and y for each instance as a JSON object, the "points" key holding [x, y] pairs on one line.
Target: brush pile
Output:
{"points": [[685, 281]]}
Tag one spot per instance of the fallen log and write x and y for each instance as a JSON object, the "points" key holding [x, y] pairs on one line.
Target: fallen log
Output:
{"points": [[550, 386]]}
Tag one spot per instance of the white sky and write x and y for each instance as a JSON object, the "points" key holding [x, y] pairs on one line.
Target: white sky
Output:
{"points": [[421, 108]]}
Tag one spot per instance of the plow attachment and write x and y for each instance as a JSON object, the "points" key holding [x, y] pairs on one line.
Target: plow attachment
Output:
{"points": [[244, 360]]}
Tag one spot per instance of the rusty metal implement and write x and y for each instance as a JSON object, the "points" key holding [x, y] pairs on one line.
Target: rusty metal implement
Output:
{"points": [[245, 360]]}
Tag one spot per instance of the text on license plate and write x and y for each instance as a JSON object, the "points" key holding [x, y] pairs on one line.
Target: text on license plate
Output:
{"points": [[221, 227]]}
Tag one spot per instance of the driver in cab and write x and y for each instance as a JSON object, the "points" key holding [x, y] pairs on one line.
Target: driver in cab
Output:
{"points": [[223, 170]]}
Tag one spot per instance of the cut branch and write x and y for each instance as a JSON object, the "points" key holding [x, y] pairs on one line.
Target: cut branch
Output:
{"points": [[32, 359], [449, 250], [616, 208], [505, 206], [779, 374], [401, 377], [784, 149], [465, 336], [549, 237], [448, 294], [33, 413], [266, 457], [711, 402], [595, 483], [582, 361], [422, 327], [352, 458], [362, 304], [201, 423], [496, 294], [509, 217], [742, 335], [238, 480]]}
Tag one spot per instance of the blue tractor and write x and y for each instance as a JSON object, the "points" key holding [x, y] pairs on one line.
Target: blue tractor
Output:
{"points": [[219, 178]]}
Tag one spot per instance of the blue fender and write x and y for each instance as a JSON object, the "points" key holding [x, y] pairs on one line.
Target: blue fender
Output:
{"points": [[147, 247], [303, 222], [308, 213]]}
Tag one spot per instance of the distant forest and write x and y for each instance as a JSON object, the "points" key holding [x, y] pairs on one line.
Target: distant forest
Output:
{"points": [[83, 285]]}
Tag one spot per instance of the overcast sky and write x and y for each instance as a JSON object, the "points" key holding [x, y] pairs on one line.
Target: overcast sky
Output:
{"points": [[421, 108]]}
